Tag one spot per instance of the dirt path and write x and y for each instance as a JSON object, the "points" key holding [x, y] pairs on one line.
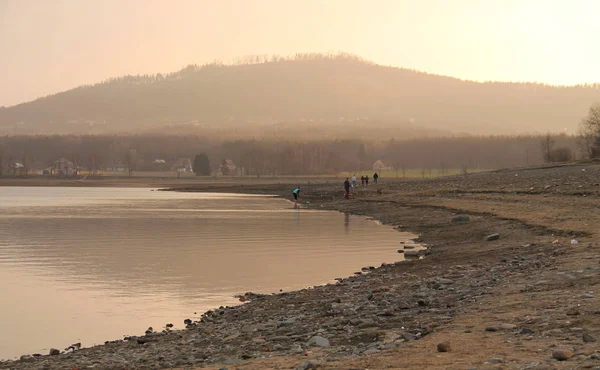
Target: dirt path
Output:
{"points": [[514, 302]]}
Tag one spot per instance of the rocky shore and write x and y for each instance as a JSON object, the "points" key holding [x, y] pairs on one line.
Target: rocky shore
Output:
{"points": [[510, 281]]}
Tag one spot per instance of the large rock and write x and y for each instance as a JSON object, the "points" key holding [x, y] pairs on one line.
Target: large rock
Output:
{"points": [[54, 352], [318, 341], [562, 354]]}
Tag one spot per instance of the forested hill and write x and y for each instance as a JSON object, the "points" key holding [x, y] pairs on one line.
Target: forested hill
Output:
{"points": [[308, 88]]}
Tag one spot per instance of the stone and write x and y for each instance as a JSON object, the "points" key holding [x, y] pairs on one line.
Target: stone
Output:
{"points": [[26, 358], [318, 341], [366, 323], [445, 281], [588, 338], [409, 247], [54, 352], [371, 351], [491, 328], [312, 364], [400, 250], [286, 322], [444, 347], [506, 326], [495, 361], [279, 338], [408, 337], [414, 253], [562, 354], [491, 237], [461, 218], [573, 312]]}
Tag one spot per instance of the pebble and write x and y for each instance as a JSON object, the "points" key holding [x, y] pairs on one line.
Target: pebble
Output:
{"points": [[562, 354], [495, 361], [588, 338], [444, 347], [26, 358], [461, 218], [371, 351], [54, 352], [312, 364], [491, 237], [279, 338], [318, 341]]}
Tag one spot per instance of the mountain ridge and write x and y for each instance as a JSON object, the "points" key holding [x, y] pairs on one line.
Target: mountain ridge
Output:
{"points": [[307, 87]]}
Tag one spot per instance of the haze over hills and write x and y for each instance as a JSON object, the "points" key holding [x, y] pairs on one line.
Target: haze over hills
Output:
{"points": [[321, 94]]}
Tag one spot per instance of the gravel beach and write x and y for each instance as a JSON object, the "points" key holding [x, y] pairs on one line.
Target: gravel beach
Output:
{"points": [[508, 279]]}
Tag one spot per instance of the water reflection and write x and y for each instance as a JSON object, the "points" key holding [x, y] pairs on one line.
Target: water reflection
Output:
{"points": [[346, 223], [115, 261]]}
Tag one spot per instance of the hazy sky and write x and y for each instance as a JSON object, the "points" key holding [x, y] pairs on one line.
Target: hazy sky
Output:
{"points": [[52, 45]]}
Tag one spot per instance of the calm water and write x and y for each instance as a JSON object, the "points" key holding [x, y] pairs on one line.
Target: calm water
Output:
{"points": [[94, 264]]}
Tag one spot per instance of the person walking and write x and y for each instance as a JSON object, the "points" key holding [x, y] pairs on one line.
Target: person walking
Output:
{"points": [[362, 180], [347, 188], [375, 178], [353, 181], [296, 194], [367, 180]]}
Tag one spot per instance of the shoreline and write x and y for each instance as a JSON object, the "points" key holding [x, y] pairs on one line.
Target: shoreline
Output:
{"points": [[470, 292]]}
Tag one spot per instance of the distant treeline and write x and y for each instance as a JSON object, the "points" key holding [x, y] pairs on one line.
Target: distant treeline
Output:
{"points": [[259, 157]]}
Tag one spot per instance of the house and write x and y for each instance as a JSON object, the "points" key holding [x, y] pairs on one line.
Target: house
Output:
{"points": [[63, 167], [182, 165], [19, 169], [379, 166], [159, 165], [228, 168]]}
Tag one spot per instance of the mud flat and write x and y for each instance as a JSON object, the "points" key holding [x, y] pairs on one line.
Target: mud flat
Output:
{"points": [[527, 298]]}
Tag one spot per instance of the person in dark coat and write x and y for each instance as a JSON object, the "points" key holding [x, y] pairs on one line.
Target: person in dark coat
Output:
{"points": [[375, 177], [347, 188]]}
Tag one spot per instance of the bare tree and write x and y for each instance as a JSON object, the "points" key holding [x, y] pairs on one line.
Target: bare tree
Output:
{"points": [[27, 161], [1, 161], [547, 144], [131, 160], [589, 131]]}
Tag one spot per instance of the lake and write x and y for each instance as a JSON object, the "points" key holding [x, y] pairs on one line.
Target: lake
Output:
{"points": [[94, 264]]}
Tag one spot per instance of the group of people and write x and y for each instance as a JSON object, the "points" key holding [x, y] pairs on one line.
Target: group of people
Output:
{"points": [[364, 180], [347, 185]]}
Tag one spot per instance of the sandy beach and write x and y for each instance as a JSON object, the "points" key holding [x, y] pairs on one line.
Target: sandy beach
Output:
{"points": [[509, 280]]}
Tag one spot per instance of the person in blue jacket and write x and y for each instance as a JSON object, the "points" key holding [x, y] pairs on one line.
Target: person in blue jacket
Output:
{"points": [[296, 194]]}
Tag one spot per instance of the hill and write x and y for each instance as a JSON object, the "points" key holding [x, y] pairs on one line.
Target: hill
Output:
{"points": [[314, 90]]}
